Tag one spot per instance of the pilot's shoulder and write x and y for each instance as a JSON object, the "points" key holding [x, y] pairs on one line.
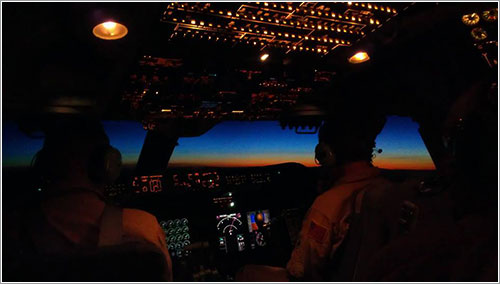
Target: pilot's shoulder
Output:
{"points": [[138, 219], [334, 199], [329, 201]]}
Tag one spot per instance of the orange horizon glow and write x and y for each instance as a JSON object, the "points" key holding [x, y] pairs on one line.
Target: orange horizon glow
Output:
{"points": [[392, 163], [242, 161], [404, 163]]}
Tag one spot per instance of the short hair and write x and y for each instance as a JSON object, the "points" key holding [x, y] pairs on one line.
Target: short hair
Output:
{"points": [[69, 143], [352, 137]]}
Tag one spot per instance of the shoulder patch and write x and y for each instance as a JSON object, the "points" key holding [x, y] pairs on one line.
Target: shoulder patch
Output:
{"points": [[317, 232]]}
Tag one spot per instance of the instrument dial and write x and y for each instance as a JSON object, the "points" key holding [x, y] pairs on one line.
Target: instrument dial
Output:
{"points": [[470, 19], [479, 34], [490, 15]]}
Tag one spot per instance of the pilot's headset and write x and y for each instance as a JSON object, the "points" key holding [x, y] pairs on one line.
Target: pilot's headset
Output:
{"points": [[358, 137], [323, 153], [103, 160]]}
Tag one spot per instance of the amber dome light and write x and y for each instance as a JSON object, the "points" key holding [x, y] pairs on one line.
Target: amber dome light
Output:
{"points": [[359, 57], [110, 30]]}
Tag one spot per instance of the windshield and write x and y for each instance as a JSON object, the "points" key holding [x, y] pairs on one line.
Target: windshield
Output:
{"points": [[245, 144], [18, 149], [262, 143], [238, 144]]}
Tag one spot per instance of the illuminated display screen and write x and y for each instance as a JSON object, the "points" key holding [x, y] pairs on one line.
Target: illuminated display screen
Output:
{"points": [[145, 184], [257, 220], [196, 180], [233, 234], [229, 224]]}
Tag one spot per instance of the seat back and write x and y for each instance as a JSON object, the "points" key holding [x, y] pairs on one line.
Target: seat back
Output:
{"points": [[130, 262], [372, 225], [43, 254]]}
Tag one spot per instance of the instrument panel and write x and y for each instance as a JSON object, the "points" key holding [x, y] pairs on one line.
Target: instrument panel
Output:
{"points": [[237, 234], [199, 181], [177, 236], [217, 219]]}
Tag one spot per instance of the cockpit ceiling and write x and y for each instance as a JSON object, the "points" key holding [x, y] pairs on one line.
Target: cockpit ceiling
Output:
{"points": [[287, 61], [291, 26]]}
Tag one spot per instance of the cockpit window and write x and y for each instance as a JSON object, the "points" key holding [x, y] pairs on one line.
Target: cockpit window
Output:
{"points": [[402, 146], [262, 143], [18, 148], [128, 137], [245, 144], [237, 144]]}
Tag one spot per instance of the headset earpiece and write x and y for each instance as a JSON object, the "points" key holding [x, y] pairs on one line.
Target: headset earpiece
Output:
{"points": [[324, 155], [105, 165]]}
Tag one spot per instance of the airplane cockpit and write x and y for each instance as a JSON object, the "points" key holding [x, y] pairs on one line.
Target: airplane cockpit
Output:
{"points": [[216, 109]]}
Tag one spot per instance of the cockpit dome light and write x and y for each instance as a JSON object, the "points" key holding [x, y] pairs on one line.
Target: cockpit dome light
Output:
{"points": [[110, 30], [359, 57]]}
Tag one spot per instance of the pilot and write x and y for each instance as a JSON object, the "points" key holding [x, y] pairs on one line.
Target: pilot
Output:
{"points": [[345, 149], [464, 248], [76, 162]]}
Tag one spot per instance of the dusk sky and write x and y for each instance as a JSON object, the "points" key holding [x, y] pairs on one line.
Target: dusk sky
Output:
{"points": [[237, 144]]}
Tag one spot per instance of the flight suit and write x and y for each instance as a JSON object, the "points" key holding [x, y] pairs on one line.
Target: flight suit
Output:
{"points": [[327, 222], [78, 215]]}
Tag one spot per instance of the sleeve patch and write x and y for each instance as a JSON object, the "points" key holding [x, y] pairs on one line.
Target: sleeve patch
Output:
{"points": [[317, 232]]}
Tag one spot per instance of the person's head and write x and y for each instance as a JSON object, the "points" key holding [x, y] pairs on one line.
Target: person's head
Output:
{"points": [[77, 152], [348, 138]]}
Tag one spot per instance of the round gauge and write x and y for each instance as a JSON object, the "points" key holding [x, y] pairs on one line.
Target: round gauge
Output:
{"points": [[178, 245], [163, 224], [186, 243], [168, 223], [259, 239], [186, 236], [490, 15], [184, 221], [479, 34], [229, 224], [185, 229], [177, 222], [470, 19]]}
